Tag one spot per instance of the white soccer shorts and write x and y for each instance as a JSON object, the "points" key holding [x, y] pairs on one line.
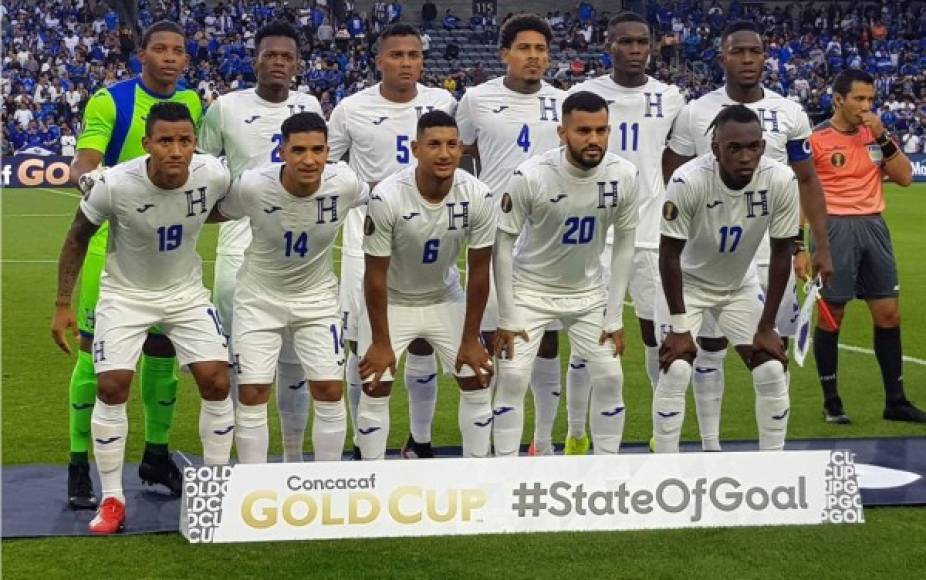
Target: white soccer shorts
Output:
{"points": [[352, 304], [313, 327], [644, 284], [581, 317], [223, 294], [439, 324], [737, 313], [490, 316], [189, 320], [788, 310]]}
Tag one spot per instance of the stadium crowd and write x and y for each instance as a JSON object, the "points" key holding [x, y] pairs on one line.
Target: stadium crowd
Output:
{"points": [[57, 53]]}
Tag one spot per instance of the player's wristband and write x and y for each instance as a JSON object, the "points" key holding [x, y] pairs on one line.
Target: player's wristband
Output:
{"points": [[888, 149], [679, 323], [798, 247]]}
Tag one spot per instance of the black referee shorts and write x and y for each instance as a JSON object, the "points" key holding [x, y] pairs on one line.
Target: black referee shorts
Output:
{"points": [[863, 259]]}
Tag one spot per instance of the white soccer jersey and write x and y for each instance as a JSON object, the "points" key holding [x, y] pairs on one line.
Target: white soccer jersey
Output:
{"points": [[508, 127], [290, 252], [723, 227], [562, 215], [423, 239], [246, 129], [153, 231], [377, 134], [641, 120]]}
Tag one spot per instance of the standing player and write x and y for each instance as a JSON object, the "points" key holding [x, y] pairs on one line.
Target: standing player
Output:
{"points": [[642, 111], [286, 285], [787, 129], [506, 121], [718, 209], [114, 124], [157, 206], [416, 226], [561, 204], [245, 126], [854, 153], [375, 127]]}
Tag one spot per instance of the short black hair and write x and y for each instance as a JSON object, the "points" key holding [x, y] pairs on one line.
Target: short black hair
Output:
{"points": [[733, 114], [842, 84], [305, 122], [436, 118], [520, 23], [397, 29], [278, 28], [169, 111], [626, 16], [586, 101], [160, 26], [739, 26]]}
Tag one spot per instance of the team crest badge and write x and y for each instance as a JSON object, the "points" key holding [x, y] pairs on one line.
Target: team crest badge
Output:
{"points": [[838, 159], [506, 203], [368, 226], [669, 211]]}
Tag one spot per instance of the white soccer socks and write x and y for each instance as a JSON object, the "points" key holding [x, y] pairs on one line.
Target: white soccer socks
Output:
{"points": [[372, 426], [772, 404], [545, 386], [216, 426], [109, 426], [252, 437], [328, 430], [421, 383], [578, 391], [607, 412], [669, 406], [293, 404], [354, 386], [707, 384], [508, 408], [475, 417]]}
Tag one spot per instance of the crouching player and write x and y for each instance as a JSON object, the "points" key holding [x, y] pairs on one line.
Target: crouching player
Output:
{"points": [[156, 206], [417, 223], [717, 209], [286, 285]]}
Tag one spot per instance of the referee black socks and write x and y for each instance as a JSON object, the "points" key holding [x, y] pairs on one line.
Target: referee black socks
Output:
{"points": [[826, 353], [890, 359]]}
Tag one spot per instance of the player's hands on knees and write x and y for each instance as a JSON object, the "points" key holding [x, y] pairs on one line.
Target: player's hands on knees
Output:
{"points": [[63, 321], [677, 345], [617, 337], [374, 363], [504, 342], [768, 341], [802, 269], [472, 354], [823, 266]]}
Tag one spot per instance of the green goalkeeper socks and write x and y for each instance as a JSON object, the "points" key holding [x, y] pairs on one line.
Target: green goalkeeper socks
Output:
{"points": [[159, 393], [81, 397]]}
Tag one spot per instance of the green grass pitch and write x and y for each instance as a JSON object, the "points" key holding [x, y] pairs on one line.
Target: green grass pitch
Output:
{"points": [[34, 430]]}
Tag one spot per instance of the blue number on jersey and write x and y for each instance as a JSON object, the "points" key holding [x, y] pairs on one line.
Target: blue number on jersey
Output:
{"points": [[579, 230], [524, 138], [402, 154], [629, 132], [732, 233], [169, 237], [275, 154], [431, 248], [296, 245], [337, 338]]}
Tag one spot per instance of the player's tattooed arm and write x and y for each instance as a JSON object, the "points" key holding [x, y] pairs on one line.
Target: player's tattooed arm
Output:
{"points": [[85, 161], [380, 355], [779, 270], [472, 353], [679, 343], [813, 206], [69, 263]]}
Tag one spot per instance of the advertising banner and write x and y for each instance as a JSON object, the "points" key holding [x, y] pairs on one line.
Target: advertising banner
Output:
{"points": [[36, 171]]}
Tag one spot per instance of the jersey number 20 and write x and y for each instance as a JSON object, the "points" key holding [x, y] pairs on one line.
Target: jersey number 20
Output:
{"points": [[579, 230]]}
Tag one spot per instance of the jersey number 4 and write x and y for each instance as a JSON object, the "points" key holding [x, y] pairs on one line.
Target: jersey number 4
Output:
{"points": [[579, 230], [524, 138], [170, 237]]}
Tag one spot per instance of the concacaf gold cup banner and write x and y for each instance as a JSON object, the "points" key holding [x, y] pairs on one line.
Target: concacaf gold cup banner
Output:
{"points": [[305, 501]]}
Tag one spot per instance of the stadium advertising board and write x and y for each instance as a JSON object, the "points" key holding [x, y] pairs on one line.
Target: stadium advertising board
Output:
{"points": [[304, 501], [918, 160], [36, 171]]}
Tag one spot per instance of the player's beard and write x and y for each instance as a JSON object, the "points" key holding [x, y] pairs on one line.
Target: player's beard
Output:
{"points": [[577, 154]]}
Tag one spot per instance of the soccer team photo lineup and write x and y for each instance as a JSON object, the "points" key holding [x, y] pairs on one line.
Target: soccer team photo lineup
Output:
{"points": [[365, 231]]}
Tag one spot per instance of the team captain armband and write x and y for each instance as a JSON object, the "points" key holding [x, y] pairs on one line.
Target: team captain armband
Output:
{"points": [[798, 150]]}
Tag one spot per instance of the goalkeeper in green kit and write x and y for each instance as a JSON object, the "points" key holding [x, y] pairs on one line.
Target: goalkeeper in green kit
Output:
{"points": [[114, 124]]}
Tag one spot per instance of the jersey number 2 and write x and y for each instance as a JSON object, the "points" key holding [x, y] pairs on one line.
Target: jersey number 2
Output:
{"points": [[275, 154]]}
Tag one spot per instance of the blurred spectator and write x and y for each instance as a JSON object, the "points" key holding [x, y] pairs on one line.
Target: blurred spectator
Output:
{"points": [[428, 14]]}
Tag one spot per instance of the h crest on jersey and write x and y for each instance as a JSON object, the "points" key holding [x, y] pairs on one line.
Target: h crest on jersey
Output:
{"points": [[769, 120], [330, 209], [453, 215], [422, 109], [548, 105], [653, 105], [607, 190], [192, 202], [752, 203], [293, 109]]}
